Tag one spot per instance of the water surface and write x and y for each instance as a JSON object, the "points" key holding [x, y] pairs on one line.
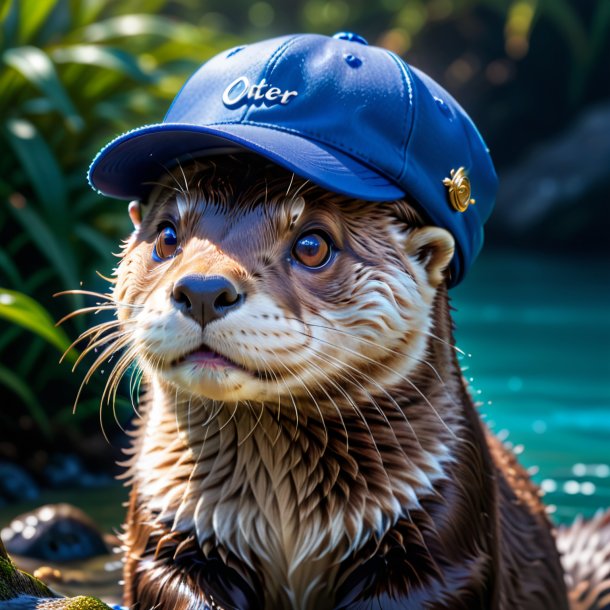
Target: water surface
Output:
{"points": [[538, 331]]}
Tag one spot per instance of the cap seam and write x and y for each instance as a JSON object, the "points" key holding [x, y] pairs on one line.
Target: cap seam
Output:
{"points": [[408, 81], [269, 67]]}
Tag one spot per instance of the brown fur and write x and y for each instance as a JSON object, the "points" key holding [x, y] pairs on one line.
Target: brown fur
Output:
{"points": [[345, 466]]}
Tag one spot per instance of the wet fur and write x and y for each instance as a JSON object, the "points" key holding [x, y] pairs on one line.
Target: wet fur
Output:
{"points": [[346, 466]]}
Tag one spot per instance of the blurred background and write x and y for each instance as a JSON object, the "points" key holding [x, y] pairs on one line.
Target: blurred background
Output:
{"points": [[532, 317]]}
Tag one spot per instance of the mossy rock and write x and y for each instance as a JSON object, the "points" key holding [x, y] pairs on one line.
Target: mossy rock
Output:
{"points": [[21, 591], [72, 603]]}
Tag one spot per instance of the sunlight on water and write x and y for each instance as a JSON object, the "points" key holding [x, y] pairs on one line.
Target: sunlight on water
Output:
{"points": [[538, 331]]}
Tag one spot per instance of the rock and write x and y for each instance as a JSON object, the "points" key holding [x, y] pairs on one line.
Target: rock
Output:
{"points": [[68, 470], [558, 179], [20, 591], [13, 582], [16, 485], [58, 532], [63, 470]]}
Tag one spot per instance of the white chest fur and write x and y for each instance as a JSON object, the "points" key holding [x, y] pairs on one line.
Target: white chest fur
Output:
{"points": [[290, 502]]}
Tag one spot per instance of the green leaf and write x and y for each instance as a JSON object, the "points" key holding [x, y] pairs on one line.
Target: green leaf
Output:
{"points": [[29, 359], [98, 242], [37, 279], [86, 11], [10, 269], [142, 25], [41, 167], [9, 335], [38, 69], [102, 57], [22, 390], [59, 253], [5, 6], [8, 22], [21, 309], [33, 14], [600, 29]]}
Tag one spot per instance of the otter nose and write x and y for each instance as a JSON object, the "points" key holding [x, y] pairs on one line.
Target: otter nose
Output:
{"points": [[206, 298]]}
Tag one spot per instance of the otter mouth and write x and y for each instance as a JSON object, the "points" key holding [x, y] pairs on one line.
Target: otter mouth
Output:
{"points": [[205, 357]]}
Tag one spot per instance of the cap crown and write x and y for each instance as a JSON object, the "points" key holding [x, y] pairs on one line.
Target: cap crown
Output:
{"points": [[359, 109], [353, 118]]}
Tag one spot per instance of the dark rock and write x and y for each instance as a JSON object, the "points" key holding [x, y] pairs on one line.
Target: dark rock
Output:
{"points": [[16, 485], [566, 178], [63, 470], [59, 532]]}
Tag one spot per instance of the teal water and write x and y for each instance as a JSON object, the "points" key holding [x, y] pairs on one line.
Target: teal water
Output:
{"points": [[536, 331]]}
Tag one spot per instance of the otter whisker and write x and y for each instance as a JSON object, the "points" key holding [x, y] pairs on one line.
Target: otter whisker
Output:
{"points": [[354, 379], [444, 342], [296, 376], [213, 415], [83, 310], [95, 332], [117, 373], [100, 331], [96, 344], [176, 411], [102, 295], [106, 296], [134, 392], [231, 417], [253, 428], [108, 351], [305, 183], [349, 377], [391, 370], [354, 406], [171, 174], [290, 183], [110, 280], [372, 343], [82, 337], [315, 402], [279, 400], [279, 377]]}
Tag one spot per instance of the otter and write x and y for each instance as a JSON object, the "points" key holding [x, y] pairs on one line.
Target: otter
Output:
{"points": [[306, 438]]}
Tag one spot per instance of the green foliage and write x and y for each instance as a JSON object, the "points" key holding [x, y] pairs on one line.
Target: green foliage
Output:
{"points": [[26, 312], [73, 75]]}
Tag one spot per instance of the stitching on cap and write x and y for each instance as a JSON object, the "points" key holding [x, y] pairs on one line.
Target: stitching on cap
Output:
{"points": [[407, 130], [271, 63]]}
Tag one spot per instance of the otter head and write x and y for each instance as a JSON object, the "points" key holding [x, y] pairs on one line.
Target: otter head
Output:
{"points": [[242, 282]]}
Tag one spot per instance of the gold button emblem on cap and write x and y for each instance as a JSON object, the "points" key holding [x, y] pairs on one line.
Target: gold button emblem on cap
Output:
{"points": [[459, 190]]}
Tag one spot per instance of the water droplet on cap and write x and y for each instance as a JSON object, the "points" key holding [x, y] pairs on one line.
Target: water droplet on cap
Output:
{"points": [[351, 37], [236, 50], [443, 107], [352, 60]]}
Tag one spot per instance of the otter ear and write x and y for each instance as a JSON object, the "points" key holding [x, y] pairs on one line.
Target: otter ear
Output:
{"points": [[135, 213], [433, 248]]}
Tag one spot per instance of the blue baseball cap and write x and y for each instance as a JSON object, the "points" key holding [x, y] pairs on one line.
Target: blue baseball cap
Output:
{"points": [[352, 118]]}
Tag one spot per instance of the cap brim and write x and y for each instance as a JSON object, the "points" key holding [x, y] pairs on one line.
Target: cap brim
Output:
{"points": [[129, 165]]}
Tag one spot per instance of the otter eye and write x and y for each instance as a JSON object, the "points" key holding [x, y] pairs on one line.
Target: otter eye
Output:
{"points": [[312, 249], [166, 244]]}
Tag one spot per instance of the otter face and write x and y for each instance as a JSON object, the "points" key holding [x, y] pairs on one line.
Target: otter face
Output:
{"points": [[245, 283]]}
